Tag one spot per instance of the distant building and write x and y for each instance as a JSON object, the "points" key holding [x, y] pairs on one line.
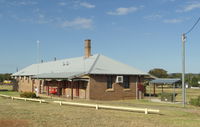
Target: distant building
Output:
{"points": [[90, 77]]}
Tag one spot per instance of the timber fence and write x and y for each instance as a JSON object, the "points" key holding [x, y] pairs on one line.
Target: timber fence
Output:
{"points": [[96, 106], [21, 98]]}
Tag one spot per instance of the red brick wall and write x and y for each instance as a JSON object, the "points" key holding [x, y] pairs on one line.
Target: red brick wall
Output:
{"points": [[96, 88], [26, 84], [99, 91]]}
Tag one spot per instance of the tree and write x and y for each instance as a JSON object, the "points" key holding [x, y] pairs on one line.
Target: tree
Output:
{"points": [[6, 76], [194, 82], [159, 72]]}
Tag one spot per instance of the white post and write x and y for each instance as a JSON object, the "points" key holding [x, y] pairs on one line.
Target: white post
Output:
{"points": [[146, 111], [97, 107]]}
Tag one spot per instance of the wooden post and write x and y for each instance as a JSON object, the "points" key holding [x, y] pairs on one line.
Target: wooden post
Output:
{"points": [[174, 93], [150, 91], [72, 83], [39, 86], [154, 90], [58, 90], [136, 88], [48, 90]]}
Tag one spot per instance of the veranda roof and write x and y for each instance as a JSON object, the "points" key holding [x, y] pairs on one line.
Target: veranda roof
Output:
{"points": [[165, 81]]}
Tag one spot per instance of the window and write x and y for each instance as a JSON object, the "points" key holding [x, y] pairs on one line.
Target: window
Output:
{"points": [[109, 82], [126, 82]]}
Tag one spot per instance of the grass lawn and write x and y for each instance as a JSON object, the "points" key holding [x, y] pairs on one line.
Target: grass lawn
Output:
{"points": [[9, 91], [18, 113], [6, 87]]}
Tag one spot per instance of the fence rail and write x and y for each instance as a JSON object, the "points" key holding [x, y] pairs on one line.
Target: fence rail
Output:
{"points": [[21, 98], [145, 110], [96, 106]]}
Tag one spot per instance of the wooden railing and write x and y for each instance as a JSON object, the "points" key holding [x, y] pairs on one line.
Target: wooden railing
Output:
{"points": [[21, 98], [96, 106], [145, 110]]}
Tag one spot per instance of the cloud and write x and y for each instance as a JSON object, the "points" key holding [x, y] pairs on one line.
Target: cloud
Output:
{"points": [[123, 11], [42, 19], [87, 5], [20, 3], [153, 17], [173, 21], [189, 7], [78, 23], [38, 17], [62, 3]]}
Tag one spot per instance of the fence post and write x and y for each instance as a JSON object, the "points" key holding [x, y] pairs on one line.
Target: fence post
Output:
{"points": [[60, 103], [97, 107], [146, 111]]}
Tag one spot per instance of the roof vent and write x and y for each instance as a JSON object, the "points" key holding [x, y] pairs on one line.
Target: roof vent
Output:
{"points": [[66, 63]]}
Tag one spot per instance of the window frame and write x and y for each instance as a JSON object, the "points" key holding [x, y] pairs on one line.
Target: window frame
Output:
{"points": [[109, 82], [126, 82]]}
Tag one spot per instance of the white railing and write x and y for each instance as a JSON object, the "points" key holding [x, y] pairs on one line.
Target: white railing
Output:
{"points": [[21, 98], [96, 106], [145, 110]]}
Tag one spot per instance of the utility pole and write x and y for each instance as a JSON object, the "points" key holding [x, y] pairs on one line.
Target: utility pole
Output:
{"points": [[183, 61], [183, 70]]}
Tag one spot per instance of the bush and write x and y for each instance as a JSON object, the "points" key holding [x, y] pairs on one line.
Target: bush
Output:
{"points": [[195, 101], [168, 97], [28, 95]]}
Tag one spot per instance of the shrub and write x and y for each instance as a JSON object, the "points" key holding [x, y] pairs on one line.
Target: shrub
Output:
{"points": [[168, 97], [28, 95], [195, 101]]}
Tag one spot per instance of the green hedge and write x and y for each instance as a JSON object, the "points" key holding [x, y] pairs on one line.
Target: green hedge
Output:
{"points": [[28, 95], [195, 101], [168, 97]]}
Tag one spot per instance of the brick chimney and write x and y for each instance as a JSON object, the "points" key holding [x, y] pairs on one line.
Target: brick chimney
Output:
{"points": [[87, 48]]}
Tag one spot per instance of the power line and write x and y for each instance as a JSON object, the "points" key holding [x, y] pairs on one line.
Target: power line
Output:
{"points": [[193, 26]]}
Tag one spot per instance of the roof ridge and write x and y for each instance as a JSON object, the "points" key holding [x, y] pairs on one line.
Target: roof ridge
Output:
{"points": [[92, 67]]}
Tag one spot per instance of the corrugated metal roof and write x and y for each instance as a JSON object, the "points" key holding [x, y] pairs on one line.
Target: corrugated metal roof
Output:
{"points": [[165, 81], [96, 64], [105, 65], [72, 65]]}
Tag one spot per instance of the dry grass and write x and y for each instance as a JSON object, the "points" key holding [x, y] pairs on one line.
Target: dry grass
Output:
{"points": [[6, 87], [53, 115], [18, 113]]}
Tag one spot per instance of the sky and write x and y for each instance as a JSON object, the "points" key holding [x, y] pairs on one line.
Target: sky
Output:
{"points": [[145, 34]]}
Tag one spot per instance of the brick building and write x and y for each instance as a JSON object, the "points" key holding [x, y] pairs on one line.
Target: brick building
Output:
{"points": [[90, 77]]}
